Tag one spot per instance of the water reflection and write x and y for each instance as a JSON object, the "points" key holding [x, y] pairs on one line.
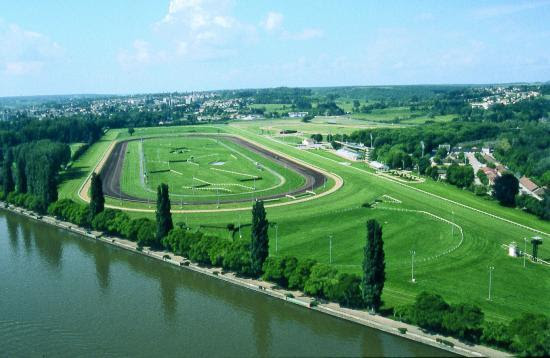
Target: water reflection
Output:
{"points": [[102, 261], [261, 323], [47, 242], [27, 238], [168, 288], [12, 226]]}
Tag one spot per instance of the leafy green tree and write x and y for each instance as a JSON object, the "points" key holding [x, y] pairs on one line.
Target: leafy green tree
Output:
{"points": [[545, 207], [298, 278], [321, 280], [238, 258], [97, 200], [530, 335], [496, 334], [259, 245], [131, 131], [7, 174], [374, 266], [423, 164], [164, 217], [347, 291], [21, 176], [146, 235], [464, 321], [505, 189], [428, 311]]}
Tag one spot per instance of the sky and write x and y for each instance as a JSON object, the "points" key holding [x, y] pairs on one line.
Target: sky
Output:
{"points": [[142, 46]]}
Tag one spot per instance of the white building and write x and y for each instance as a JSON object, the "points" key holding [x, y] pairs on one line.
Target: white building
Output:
{"points": [[297, 114]]}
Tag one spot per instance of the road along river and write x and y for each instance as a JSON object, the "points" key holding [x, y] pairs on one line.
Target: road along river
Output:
{"points": [[64, 295]]}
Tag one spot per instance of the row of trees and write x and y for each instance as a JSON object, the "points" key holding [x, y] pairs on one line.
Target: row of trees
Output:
{"points": [[32, 168], [527, 335]]}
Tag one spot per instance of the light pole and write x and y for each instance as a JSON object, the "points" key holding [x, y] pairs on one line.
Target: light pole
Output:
{"points": [[413, 280], [330, 249], [453, 226], [491, 268], [240, 235], [524, 251], [276, 238]]}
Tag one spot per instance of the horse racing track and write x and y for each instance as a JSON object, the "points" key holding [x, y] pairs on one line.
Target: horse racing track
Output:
{"points": [[205, 169]]}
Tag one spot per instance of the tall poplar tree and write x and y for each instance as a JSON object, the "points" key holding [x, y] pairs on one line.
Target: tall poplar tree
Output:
{"points": [[259, 247], [374, 266], [7, 174], [97, 200], [164, 217], [21, 175]]}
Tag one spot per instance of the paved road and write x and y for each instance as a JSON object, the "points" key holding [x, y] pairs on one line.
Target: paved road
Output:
{"points": [[476, 164]]}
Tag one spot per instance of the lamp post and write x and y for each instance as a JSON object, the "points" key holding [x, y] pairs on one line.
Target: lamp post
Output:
{"points": [[453, 226], [413, 280], [276, 238], [524, 251], [330, 249], [491, 268]]}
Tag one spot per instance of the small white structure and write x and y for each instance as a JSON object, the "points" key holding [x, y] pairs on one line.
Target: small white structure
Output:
{"points": [[297, 114], [308, 142], [377, 165], [513, 250]]}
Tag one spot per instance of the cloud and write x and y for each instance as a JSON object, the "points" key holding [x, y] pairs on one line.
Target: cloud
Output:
{"points": [[507, 9], [140, 54], [305, 34], [272, 21], [24, 52], [190, 30]]}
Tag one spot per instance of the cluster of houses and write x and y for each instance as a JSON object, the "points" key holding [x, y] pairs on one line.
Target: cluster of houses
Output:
{"points": [[504, 96], [526, 185]]}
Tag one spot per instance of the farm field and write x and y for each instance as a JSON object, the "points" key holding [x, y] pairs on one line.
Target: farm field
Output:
{"points": [[414, 217]]}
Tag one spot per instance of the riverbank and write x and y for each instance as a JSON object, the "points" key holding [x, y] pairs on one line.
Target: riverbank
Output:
{"points": [[360, 317]]}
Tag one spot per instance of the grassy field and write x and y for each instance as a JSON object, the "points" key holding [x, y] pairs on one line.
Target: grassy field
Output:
{"points": [[414, 221], [202, 168], [72, 179]]}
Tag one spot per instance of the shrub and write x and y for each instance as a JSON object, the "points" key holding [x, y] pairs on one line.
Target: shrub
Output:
{"points": [[428, 310], [321, 281], [238, 258], [146, 235]]}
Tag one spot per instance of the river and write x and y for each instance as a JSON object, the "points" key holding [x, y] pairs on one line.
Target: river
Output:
{"points": [[64, 295]]}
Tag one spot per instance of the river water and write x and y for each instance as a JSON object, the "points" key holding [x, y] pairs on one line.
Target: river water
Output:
{"points": [[64, 295]]}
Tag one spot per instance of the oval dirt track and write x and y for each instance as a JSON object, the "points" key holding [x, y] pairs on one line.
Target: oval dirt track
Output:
{"points": [[112, 170]]}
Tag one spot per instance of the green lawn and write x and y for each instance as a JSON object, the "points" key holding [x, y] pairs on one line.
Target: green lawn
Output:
{"points": [[72, 179], [460, 275]]}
